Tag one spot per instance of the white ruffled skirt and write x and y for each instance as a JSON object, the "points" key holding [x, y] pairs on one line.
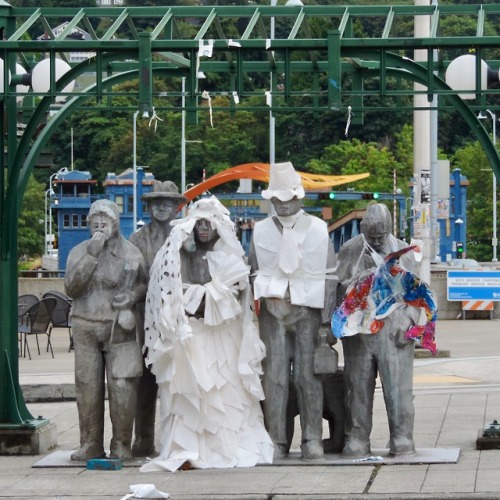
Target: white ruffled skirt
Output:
{"points": [[210, 395]]}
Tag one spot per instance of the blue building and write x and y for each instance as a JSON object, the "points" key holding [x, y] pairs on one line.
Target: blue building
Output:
{"points": [[453, 229], [73, 195], [72, 199], [119, 188]]}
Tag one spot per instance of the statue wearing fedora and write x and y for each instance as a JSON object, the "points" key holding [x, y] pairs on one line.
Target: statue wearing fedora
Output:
{"points": [[291, 254], [163, 204]]}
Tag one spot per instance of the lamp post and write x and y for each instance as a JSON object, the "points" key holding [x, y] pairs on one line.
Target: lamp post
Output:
{"points": [[272, 123], [494, 241], [64, 170], [134, 175], [183, 142], [48, 193]]}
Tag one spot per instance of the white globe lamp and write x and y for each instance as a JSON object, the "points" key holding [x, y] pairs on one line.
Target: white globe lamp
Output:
{"points": [[40, 77], [21, 88], [461, 75], [1, 77]]}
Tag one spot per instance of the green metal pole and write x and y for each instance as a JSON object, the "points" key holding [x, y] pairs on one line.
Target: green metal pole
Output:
{"points": [[13, 411], [334, 71], [145, 73]]}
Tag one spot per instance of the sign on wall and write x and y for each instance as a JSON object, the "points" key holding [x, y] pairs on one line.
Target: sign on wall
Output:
{"points": [[476, 285]]}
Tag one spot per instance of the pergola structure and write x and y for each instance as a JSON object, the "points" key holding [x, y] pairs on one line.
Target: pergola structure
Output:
{"points": [[337, 69]]}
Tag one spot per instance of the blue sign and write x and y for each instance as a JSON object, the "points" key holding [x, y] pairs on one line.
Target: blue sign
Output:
{"points": [[473, 285]]}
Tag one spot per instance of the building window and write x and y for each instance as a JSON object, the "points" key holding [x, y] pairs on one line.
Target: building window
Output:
{"points": [[119, 202], [82, 191], [130, 204], [66, 221], [75, 221], [83, 222]]}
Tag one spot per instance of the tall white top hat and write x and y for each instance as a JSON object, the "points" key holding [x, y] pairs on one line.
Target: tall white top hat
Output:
{"points": [[284, 183]]}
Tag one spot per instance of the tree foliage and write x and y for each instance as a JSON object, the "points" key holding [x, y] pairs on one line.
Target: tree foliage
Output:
{"points": [[314, 141], [31, 230]]}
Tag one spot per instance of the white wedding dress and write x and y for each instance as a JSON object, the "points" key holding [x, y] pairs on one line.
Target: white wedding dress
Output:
{"points": [[208, 368]]}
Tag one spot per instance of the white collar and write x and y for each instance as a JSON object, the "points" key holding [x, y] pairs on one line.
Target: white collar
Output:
{"points": [[290, 220]]}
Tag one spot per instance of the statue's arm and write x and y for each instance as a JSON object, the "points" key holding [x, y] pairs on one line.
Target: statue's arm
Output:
{"points": [[133, 281], [252, 262], [141, 283], [331, 284], [79, 271]]}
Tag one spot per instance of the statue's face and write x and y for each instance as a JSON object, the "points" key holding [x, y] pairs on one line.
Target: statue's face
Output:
{"points": [[163, 210], [101, 223], [204, 231], [376, 238], [286, 208]]}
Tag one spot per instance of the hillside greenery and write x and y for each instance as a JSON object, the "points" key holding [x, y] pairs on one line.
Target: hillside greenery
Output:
{"points": [[313, 141]]}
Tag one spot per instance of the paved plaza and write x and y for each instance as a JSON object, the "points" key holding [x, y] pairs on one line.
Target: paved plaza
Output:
{"points": [[455, 397]]}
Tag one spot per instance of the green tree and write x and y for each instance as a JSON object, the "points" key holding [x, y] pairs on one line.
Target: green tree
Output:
{"points": [[356, 157], [31, 231]]}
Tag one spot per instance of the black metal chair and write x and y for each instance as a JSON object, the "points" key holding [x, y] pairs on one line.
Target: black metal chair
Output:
{"points": [[55, 293], [37, 323], [60, 317], [24, 302]]}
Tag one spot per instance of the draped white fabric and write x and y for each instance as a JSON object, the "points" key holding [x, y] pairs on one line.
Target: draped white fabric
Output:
{"points": [[208, 369]]}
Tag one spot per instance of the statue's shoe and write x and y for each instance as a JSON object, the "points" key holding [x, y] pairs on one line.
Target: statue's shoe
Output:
{"points": [[121, 451], [312, 451], [143, 448], [356, 448], [87, 452], [279, 452], [402, 446]]}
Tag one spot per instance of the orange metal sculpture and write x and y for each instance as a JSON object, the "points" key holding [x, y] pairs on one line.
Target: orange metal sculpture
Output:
{"points": [[260, 172]]}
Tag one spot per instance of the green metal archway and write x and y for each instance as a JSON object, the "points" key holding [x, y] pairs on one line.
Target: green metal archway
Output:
{"points": [[337, 68]]}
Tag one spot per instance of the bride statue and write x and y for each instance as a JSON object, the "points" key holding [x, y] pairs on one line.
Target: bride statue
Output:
{"points": [[204, 347]]}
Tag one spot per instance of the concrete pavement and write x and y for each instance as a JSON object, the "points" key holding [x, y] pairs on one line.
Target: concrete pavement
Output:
{"points": [[454, 398]]}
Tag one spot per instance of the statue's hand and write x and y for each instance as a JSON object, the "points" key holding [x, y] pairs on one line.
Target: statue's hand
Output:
{"points": [[401, 322], [325, 329], [96, 244], [122, 301]]}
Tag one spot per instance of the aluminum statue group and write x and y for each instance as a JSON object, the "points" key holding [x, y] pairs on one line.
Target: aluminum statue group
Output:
{"points": [[236, 346]]}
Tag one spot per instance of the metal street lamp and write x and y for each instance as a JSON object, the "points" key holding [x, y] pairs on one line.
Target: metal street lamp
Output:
{"points": [[272, 122], [494, 241], [48, 193], [63, 171], [134, 175], [184, 141]]}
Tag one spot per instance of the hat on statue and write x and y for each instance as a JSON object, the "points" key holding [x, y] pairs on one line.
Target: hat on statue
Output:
{"points": [[284, 183], [164, 190]]}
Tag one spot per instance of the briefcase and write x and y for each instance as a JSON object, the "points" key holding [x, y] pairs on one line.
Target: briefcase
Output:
{"points": [[125, 355]]}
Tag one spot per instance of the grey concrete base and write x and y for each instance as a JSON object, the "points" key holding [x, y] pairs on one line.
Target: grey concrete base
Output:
{"points": [[28, 441], [422, 456], [36, 393], [424, 353], [62, 459]]}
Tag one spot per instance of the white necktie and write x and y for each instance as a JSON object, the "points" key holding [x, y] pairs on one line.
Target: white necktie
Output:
{"points": [[289, 248]]}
